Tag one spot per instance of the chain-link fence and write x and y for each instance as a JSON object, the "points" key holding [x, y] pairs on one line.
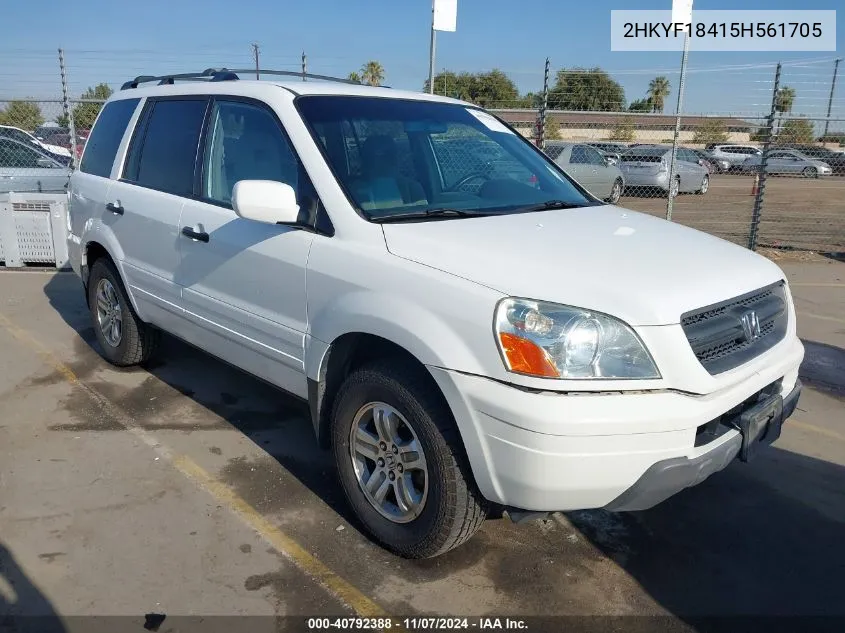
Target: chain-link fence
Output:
{"points": [[764, 167]]}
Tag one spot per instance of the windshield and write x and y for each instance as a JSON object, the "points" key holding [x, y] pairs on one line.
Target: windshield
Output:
{"points": [[396, 157]]}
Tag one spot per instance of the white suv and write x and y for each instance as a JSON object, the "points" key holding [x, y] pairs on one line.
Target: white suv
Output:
{"points": [[734, 155], [471, 328]]}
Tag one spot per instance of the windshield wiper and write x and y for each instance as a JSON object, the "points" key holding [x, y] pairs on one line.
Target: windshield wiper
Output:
{"points": [[548, 205], [431, 214]]}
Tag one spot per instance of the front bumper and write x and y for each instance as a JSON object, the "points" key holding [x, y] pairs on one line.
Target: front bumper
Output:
{"points": [[548, 451], [670, 476]]}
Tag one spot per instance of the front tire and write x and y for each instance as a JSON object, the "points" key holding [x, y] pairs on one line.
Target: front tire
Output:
{"points": [[810, 172], [401, 462], [124, 339], [615, 192]]}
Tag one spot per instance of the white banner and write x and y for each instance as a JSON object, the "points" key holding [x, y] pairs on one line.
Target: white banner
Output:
{"points": [[682, 11], [445, 15]]}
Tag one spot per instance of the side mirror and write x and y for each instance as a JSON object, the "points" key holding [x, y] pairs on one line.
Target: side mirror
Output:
{"points": [[45, 162], [266, 201]]}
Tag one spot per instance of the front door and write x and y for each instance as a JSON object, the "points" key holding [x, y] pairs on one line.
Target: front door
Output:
{"points": [[243, 282]]}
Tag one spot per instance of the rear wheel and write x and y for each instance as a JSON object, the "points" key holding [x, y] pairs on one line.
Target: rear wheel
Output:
{"points": [[675, 187], [705, 185], [615, 192], [124, 339], [401, 463]]}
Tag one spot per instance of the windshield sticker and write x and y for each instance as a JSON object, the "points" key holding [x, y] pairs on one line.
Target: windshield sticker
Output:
{"points": [[490, 122]]}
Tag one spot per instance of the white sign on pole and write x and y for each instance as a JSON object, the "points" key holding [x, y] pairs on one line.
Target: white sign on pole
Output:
{"points": [[681, 12], [446, 15]]}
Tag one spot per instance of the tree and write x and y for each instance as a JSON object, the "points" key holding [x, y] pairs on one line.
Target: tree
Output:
{"points": [[658, 90], [85, 113], [23, 114], [624, 130], [711, 131], [372, 73], [641, 105], [354, 77], [583, 89], [492, 89], [63, 120], [797, 131], [552, 130], [784, 100]]}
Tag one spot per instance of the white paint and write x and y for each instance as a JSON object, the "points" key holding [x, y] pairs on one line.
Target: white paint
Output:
{"points": [[266, 201]]}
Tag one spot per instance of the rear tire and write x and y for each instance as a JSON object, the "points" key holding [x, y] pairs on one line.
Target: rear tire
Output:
{"points": [[124, 339], [616, 192], [674, 188], [448, 509], [705, 185]]}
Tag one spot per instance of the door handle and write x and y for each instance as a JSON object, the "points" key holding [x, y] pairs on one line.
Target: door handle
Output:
{"points": [[114, 208], [201, 236]]}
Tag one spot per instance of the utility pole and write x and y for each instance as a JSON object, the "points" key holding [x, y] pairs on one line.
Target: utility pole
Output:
{"points": [[255, 50], [66, 109], [830, 99], [431, 50], [304, 65]]}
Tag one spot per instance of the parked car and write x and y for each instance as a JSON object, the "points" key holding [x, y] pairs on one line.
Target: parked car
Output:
{"points": [[589, 167], [788, 162], [23, 168], [647, 167], [734, 155], [459, 345], [720, 165], [58, 153], [611, 150], [836, 160], [700, 158]]}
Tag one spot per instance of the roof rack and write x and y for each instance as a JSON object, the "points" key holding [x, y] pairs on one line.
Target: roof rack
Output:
{"points": [[209, 74], [224, 74]]}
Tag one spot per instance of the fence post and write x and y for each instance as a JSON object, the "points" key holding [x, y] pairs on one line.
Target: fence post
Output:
{"points": [[541, 120], [764, 162], [671, 199], [67, 110]]}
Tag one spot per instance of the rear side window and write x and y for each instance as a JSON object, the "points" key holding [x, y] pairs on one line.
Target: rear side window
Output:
{"points": [[164, 149], [101, 147]]}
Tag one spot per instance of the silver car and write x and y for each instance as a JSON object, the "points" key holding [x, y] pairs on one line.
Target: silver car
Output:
{"points": [[733, 155], [788, 161], [647, 166], [590, 168], [24, 169]]}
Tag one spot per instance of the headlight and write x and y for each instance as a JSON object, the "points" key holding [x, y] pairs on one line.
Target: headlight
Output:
{"points": [[555, 341]]}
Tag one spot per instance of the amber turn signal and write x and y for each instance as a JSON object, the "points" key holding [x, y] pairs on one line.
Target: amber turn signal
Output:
{"points": [[525, 357]]}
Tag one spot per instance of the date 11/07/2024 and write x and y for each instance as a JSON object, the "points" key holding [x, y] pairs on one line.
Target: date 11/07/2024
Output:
{"points": [[417, 624]]}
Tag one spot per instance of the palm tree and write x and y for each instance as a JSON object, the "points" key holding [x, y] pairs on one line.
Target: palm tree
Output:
{"points": [[658, 89], [354, 77], [372, 73], [784, 101]]}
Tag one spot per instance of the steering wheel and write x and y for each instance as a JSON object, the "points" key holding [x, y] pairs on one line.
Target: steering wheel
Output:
{"points": [[469, 177]]}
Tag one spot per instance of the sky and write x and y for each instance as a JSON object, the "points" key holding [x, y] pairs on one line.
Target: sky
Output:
{"points": [[109, 41]]}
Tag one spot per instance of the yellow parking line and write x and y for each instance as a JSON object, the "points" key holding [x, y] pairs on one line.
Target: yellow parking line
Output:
{"points": [[816, 429], [821, 317], [284, 544]]}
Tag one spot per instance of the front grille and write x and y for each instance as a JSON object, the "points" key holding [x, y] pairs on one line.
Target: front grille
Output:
{"points": [[718, 338]]}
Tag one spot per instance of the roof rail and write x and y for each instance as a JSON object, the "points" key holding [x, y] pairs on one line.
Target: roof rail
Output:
{"points": [[224, 74], [209, 74]]}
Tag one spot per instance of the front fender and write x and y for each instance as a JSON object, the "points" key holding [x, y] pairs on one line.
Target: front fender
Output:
{"points": [[95, 232]]}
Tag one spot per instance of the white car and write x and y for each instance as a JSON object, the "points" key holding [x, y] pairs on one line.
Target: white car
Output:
{"points": [[468, 334], [733, 155], [17, 134]]}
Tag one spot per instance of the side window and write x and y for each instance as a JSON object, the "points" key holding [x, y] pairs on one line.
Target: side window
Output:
{"points": [[594, 156], [14, 154], [164, 148], [245, 142], [101, 147], [579, 155]]}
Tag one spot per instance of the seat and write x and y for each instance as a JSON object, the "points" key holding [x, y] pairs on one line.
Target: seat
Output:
{"points": [[259, 153], [382, 186]]}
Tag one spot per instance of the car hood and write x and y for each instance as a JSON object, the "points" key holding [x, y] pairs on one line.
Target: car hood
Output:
{"points": [[636, 267]]}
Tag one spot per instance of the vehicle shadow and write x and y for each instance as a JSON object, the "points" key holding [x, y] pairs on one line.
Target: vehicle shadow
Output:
{"points": [[763, 539], [23, 608]]}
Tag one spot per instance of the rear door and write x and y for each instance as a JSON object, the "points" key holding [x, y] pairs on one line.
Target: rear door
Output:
{"points": [[243, 282], [581, 168], [156, 179]]}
